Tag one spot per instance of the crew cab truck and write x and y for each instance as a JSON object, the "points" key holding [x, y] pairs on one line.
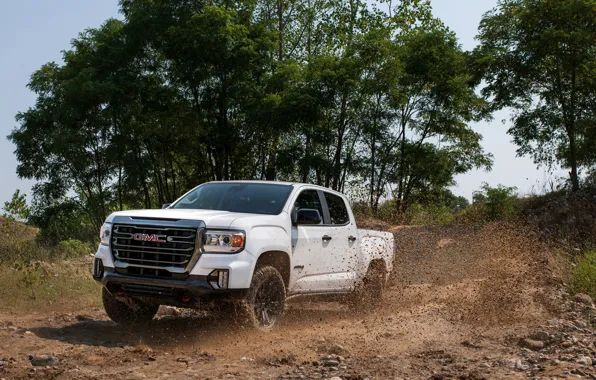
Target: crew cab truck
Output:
{"points": [[243, 246]]}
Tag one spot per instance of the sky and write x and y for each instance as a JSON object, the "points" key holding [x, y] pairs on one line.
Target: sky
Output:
{"points": [[34, 32]]}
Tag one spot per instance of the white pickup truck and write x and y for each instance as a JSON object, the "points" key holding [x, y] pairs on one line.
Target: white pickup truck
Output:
{"points": [[246, 244]]}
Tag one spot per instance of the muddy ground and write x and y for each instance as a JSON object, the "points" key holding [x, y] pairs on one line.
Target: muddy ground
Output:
{"points": [[465, 302]]}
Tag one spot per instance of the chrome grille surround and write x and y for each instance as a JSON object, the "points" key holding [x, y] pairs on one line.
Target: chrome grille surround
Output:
{"points": [[177, 255]]}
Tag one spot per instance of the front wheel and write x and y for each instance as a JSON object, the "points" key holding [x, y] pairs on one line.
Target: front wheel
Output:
{"points": [[128, 311], [264, 304]]}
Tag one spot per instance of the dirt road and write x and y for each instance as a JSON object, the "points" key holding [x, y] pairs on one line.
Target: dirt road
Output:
{"points": [[461, 305]]}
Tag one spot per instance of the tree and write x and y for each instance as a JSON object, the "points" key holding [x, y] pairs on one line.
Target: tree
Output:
{"points": [[438, 101], [17, 209], [181, 92], [538, 58]]}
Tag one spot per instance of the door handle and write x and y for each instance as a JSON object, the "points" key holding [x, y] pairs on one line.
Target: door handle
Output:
{"points": [[326, 237], [352, 239]]}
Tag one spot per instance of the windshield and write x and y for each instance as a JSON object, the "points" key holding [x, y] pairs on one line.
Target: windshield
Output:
{"points": [[251, 198]]}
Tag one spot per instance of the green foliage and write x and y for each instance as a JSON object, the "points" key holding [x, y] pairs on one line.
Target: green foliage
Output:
{"points": [[430, 214], [583, 277], [62, 220], [69, 249], [497, 203], [17, 209], [538, 58], [416, 214]]}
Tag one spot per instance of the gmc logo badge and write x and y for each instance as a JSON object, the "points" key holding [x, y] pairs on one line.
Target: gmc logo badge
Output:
{"points": [[146, 237]]}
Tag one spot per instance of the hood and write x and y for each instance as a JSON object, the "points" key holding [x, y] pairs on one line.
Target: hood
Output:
{"points": [[212, 218]]}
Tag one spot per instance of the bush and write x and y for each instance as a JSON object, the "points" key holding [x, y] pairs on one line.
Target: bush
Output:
{"points": [[62, 221], [72, 248], [583, 278], [496, 203], [418, 214]]}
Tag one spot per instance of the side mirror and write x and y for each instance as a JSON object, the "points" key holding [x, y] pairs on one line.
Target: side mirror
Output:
{"points": [[308, 216], [165, 205]]}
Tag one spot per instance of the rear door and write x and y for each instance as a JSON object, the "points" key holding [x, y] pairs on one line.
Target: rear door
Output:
{"points": [[343, 259]]}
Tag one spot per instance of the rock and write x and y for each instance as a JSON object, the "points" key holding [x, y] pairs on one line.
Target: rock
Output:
{"points": [[484, 365], [523, 367], [578, 372], [43, 360], [335, 378], [585, 360], [245, 359], [337, 349], [509, 363], [584, 299], [542, 336], [532, 344], [566, 344], [83, 318], [331, 363]]}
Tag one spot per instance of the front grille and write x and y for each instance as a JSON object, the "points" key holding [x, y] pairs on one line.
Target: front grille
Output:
{"points": [[156, 251]]}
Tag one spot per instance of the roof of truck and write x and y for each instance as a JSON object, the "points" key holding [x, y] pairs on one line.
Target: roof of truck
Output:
{"points": [[282, 183]]}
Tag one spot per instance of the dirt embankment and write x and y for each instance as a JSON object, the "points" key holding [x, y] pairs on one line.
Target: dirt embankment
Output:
{"points": [[460, 303]]}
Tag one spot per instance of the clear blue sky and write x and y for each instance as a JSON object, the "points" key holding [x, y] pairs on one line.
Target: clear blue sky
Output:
{"points": [[34, 32]]}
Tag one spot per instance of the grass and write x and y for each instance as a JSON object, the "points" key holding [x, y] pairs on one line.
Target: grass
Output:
{"points": [[62, 286], [37, 277], [583, 278]]}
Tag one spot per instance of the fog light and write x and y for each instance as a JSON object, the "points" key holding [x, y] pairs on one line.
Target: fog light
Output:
{"points": [[98, 269], [218, 279]]}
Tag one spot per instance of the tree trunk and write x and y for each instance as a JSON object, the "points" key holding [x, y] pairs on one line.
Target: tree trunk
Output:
{"points": [[340, 141], [402, 163], [573, 161]]}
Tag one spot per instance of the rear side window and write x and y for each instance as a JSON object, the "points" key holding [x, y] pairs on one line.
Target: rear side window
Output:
{"points": [[337, 209], [309, 199]]}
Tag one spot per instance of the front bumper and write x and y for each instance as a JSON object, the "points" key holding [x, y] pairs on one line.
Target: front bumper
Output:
{"points": [[240, 267], [193, 286]]}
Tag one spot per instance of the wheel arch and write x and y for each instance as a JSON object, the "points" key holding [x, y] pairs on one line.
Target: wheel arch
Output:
{"points": [[279, 260]]}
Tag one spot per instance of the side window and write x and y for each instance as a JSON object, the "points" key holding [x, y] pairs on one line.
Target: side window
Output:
{"points": [[337, 209], [309, 199]]}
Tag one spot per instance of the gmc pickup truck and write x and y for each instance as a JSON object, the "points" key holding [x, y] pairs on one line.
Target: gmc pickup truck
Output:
{"points": [[243, 246]]}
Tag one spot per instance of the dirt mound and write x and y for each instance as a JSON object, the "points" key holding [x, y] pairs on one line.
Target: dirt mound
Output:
{"points": [[568, 219]]}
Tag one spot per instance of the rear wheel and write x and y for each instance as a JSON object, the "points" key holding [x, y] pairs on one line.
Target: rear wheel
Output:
{"points": [[264, 304], [128, 311]]}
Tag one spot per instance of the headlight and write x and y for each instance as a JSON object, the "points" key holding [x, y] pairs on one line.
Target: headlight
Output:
{"points": [[105, 233], [223, 241]]}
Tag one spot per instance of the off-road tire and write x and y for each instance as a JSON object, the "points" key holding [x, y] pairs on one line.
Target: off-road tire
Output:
{"points": [[128, 312], [263, 305], [370, 292]]}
